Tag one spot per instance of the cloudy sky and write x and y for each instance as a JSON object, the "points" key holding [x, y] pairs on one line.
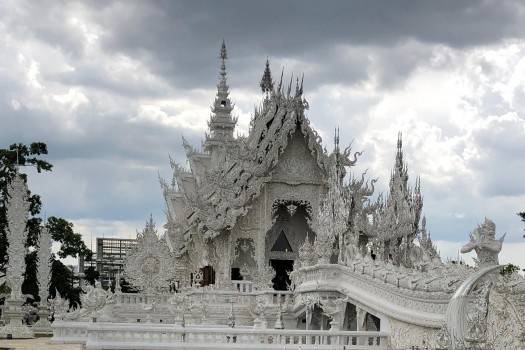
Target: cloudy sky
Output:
{"points": [[111, 87]]}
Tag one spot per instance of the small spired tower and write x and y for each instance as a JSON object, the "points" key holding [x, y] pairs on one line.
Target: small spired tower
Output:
{"points": [[17, 213], [221, 124]]}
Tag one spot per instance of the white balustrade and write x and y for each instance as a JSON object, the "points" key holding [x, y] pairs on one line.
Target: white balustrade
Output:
{"points": [[154, 336], [243, 286]]}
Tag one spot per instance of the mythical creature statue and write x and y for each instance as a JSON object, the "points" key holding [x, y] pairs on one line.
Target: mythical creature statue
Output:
{"points": [[483, 241]]}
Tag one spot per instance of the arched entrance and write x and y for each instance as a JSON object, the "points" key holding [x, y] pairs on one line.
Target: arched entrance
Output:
{"points": [[286, 236]]}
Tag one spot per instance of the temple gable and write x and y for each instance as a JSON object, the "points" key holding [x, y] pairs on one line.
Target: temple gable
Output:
{"points": [[296, 164]]}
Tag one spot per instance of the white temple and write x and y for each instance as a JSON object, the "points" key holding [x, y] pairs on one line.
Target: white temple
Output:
{"points": [[271, 242]]}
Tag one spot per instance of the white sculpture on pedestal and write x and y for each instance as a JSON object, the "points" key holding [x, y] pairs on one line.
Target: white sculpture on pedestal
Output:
{"points": [[44, 277], [17, 213]]}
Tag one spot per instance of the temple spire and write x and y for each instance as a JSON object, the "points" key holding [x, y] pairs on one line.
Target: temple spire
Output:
{"points": [[266, 81], [221, 124], [399, 154]]}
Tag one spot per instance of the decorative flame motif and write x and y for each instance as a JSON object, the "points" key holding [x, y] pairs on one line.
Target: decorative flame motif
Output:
{"points": [[149, 265]]}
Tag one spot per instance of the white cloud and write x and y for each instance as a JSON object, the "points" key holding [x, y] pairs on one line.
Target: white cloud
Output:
{"points": [[114, 111]]}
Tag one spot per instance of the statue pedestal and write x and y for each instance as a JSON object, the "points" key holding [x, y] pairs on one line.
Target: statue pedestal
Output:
{"points": [[14, 327], [43, 326]]}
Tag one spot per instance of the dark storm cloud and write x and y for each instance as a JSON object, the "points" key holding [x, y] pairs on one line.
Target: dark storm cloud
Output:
{"points": [[178, 38]]}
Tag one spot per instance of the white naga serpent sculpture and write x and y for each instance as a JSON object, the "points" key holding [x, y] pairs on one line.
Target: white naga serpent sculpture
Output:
{"points": [[457, 307]]}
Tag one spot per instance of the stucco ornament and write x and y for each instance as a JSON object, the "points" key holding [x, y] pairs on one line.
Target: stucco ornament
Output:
{"points": [[149, 265]]}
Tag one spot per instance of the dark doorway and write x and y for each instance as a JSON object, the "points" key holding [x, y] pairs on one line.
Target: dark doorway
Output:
{"points": [[282, 269], [236, 274], [208, 276]]}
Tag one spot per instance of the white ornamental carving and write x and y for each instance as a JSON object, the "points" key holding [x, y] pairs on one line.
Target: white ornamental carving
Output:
{"points": [[149, 265], [44, 264], [17, 213]]}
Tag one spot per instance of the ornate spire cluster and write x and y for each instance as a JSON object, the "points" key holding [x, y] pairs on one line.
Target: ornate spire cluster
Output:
{"points": [[332, 221], [221, 124], [399, 215]]}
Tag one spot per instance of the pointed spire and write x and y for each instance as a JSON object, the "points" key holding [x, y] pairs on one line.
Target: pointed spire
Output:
{"points": [[224, 54], [266, 81], [399, 154], [150, 227], [336, 140], [299, 87], [221, 123], [290, 86], [280, 81], [223, 87]]}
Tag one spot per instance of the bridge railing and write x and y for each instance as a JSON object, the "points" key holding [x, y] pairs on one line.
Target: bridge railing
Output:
{"points": [[154, 336]]}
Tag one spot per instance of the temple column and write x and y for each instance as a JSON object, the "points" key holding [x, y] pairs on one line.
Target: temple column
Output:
{"points": [[264, 216], [361, 317], [227, 262]]}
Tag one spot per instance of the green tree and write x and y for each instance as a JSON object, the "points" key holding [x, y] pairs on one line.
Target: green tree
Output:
{"points": [[91, 275], [11, 159], [63, 281]]}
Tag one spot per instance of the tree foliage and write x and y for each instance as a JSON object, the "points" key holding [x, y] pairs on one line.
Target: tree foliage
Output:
{"points": [[63, 281], [509, 269], [91, 275], [72, 244]]}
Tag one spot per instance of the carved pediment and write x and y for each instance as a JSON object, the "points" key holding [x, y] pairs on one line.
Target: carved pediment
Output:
{"points": [[296, 164]]}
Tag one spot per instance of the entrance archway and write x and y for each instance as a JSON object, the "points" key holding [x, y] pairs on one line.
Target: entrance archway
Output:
{"points": [[285, 237]]}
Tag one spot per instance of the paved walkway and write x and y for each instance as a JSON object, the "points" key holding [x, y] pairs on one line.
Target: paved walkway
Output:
{"points": [[36, 344]]}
